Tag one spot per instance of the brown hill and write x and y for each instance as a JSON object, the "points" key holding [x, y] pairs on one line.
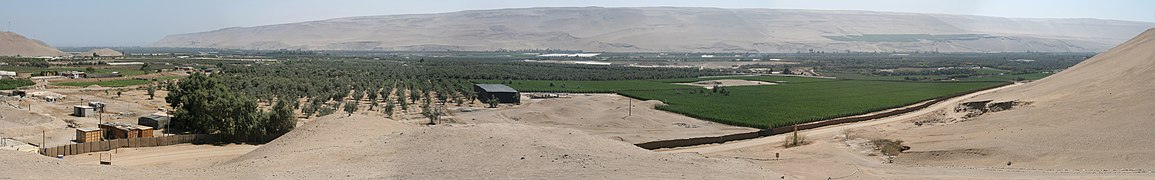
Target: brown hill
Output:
{"points": [[1094, 115], [12, 44], [106, 52], [364, 147], [681, 29]]}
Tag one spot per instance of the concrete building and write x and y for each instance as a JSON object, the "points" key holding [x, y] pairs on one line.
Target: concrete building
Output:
{"points": [[83, 111], [503, 93]]}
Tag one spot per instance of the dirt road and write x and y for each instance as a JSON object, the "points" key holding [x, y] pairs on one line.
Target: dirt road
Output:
{"points": [[175, 156], [829, 130]]}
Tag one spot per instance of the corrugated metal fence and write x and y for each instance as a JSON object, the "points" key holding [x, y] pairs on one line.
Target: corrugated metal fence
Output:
{"points": [[81, 148]]}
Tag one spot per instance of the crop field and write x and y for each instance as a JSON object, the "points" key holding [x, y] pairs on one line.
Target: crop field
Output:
{"points": [[585, 86], [6, 84], [109, 83], [795, 100], [792, 103], [102, 70]]}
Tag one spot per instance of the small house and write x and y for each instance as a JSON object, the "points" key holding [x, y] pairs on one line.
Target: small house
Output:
{"points": [[84, 135], [83, 111], [72, 74], [97, 106], [501, 92], [119, 130]]}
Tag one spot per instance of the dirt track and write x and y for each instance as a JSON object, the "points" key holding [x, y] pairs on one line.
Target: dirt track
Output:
{"points": [[173, 157], [829, 130]]}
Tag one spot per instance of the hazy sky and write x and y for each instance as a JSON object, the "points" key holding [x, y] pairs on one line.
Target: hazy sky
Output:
{"points": [[141, 22]]}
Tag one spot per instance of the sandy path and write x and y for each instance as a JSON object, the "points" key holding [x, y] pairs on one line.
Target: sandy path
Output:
{"points": [[830, 130], [176, 156]]}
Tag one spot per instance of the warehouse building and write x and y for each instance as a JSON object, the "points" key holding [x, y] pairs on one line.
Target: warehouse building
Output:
{"points": [[503, 93], [156, 121]]}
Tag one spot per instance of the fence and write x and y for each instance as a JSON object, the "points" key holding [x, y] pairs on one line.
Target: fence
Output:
{"points": [[673, 143], [81, 148]]}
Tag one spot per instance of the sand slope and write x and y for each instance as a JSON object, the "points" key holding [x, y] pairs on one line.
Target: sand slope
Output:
{"points": [[101, 52], [680, 29], [373, 147], [1094, 115], [362, 147], [605, 115], [12, 44]]}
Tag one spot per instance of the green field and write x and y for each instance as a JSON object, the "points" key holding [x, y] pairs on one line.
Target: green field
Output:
{"points": [[6, 84], [34, 70], [786, 104], [987, 75], [796, 100], [116, 82], [110, 83]]}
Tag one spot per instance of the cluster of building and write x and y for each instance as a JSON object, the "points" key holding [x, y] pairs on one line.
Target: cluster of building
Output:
{"points": [[117, 130]]}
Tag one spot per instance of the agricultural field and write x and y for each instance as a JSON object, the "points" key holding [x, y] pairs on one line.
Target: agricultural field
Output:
{"points": [[109, 83], [124, 71], [6, 84], [794, 100]]}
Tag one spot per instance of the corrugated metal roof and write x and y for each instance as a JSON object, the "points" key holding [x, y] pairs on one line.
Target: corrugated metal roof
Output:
{"points": [[496, 88]]}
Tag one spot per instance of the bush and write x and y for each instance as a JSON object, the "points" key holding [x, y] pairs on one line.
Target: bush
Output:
{"points": [[889, 147]]}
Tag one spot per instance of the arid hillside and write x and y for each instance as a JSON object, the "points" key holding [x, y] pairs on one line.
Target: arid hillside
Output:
{"points": [[12, 44], [360, 147], [1094, 115], [675, 29]]}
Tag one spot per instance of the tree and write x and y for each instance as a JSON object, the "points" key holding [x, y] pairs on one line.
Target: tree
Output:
{"points": [[144, 67], [351, 107], [389, 108], [151, 91], [492, 102], [205, 105], [434, 114], [281, 118]]}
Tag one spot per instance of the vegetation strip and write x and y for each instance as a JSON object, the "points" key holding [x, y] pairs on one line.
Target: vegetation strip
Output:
{"points": [[674, 143]]}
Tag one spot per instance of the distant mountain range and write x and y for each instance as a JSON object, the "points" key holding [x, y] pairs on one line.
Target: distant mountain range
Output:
{"points": [[675, 29]]}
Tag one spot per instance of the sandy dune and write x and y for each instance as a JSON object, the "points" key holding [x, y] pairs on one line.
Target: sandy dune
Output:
{"points": [[1094, 115], [360, 146]]}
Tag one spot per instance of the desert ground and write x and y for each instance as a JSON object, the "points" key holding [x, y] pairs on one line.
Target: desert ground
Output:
{"points": [[606, 115], [1091, 121]]}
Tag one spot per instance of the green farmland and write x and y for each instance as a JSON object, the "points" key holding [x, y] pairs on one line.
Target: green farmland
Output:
{"points": [[797, 100], [6, 84], [115, 83], [109, 83]]}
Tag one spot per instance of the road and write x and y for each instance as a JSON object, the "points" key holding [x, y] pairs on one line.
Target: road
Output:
{"points": [[829, 130]]}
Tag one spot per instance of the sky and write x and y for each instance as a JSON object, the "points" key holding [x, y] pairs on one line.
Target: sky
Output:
{"points": [[65, 23]]}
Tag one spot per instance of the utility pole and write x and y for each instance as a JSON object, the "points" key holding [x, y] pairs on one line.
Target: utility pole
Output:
{"points": [[631, 111]]}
